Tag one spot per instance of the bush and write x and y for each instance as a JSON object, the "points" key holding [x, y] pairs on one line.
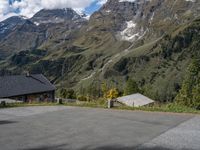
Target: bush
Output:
{"points": [[112, 94], [70, 94], [82, 98]]}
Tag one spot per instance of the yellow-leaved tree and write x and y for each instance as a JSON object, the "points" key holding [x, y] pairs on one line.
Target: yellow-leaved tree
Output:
{"points": [[112, 94]]}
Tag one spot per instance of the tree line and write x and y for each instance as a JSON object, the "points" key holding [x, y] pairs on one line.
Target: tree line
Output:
{"points": [[188, 95], [102, 90]]}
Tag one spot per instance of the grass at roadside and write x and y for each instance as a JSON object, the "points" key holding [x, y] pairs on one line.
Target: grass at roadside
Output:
{"points": [[174, 108], [163, 108], [92, 104], [27, 105]]}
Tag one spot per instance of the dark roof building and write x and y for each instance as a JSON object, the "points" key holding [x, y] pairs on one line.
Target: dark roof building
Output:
{"points": [[25, 86]]}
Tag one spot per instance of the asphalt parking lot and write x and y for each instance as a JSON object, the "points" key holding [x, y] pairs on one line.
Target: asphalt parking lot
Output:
{"points": [[73, 128]]}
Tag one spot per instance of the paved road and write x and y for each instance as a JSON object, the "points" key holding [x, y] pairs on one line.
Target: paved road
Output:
{"points": [[70, 128]]}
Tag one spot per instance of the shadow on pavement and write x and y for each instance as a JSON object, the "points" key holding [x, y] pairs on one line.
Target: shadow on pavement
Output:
{"points": [[157, 148], [109, 147], [2, 122], [54, 147]]}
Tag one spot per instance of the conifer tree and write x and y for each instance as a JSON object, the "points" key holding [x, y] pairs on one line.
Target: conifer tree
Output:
{"points": [[131, 87], [189, 93], [196, 96], [104, 89]]}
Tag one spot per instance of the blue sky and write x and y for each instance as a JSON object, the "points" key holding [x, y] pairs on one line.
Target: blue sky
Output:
{"points": [[92, 8], [28, 8]]}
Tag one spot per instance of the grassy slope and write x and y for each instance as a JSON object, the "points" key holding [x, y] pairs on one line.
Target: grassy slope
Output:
{"points": [[144, 63], [66, 63], [162, 73]]}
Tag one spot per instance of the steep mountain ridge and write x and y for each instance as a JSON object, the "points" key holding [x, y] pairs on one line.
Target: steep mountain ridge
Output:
{"points": [[144, 40], [29, 34], [8, 25], [55, 16], [149, 17]]}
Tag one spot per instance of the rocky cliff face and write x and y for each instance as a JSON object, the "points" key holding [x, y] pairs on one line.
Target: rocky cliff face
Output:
{"points": [[56, 16], [9, 25], [21, 37], [134, 20]]}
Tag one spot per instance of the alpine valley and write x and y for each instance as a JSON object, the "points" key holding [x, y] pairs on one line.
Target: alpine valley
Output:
{"points": [[150, 41]]}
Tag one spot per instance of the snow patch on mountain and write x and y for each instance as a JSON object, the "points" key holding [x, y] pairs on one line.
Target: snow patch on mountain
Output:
{"points": [[131, 32], [10, 23], [108, 11], [37, 23], [3, 29]]}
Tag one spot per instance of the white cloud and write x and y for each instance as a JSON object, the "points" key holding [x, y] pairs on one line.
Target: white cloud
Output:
{"points": [[29, 7], [101, 2], [76, 4], [6, 10], [4, 7]]}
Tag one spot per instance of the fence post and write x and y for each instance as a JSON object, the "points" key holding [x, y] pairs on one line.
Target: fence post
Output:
{"points": [[110, 103], [59, 101]]}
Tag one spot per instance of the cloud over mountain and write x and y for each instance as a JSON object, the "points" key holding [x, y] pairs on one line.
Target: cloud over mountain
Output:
{"points": [[29, 7]]}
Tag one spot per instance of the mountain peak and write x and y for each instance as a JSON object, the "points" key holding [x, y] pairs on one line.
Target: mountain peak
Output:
{"points": [[55, 16], [125, 8], [10, 23]]}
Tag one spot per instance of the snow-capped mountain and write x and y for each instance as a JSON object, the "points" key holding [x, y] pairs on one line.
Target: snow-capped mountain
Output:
{"points": [[55, 16]]}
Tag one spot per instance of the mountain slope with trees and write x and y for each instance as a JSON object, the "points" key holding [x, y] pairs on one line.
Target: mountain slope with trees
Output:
{"points": [[150, 42]]}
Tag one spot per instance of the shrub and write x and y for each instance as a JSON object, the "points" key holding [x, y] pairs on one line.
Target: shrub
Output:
{"points": [[82, 98], [112, 94], [64, 93]]}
